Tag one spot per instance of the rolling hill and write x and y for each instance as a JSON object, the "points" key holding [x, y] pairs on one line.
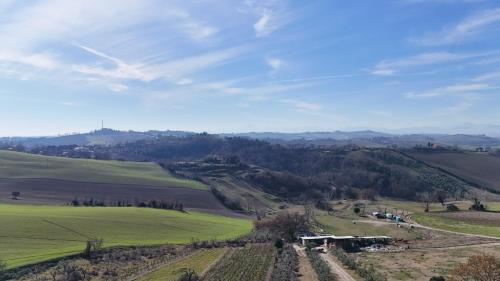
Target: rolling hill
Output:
{"points": [[15, 165], [98, 137], [366, 138], [479, 168], [57, 180]]}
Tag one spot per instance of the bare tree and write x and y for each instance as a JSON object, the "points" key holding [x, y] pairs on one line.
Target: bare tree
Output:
{"points": [[426, 197], [478, 268]]}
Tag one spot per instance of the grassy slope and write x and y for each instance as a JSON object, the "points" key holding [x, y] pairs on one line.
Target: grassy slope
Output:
{"points": [[23, 165], [342, 222], [342, 226], [428, 219], [457, 225], [245, 193], [198, 261], [35, 233], [475, 167]]}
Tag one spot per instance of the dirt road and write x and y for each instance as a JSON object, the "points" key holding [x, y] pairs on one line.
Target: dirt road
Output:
{"points": [[337, 269], [407, 225], [306, 271]]}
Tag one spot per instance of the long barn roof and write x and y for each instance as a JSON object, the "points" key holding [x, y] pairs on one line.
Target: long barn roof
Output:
{"points": [[334, 237]]}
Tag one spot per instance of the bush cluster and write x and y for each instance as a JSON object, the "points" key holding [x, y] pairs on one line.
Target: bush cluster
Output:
{"points": [[286, 265], [227, 202]]}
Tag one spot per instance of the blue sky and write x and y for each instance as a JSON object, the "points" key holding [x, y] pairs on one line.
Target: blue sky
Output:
{"points": [[235, 66]]}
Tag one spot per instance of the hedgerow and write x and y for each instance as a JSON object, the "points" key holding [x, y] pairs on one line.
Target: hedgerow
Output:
{"points": [[367, 273], [320, 266], [286, 265]]}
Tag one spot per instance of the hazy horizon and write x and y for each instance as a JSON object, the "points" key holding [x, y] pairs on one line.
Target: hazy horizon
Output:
{"points": [[466, 129]]}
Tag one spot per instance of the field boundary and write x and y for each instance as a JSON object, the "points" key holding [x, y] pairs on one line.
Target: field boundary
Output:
{"points": [[97, 182]]}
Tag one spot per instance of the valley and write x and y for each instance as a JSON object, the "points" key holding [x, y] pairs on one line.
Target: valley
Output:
{"points": [[210, 208]]}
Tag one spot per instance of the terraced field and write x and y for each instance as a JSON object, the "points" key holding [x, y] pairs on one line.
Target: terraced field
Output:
{"points": [[35, 233]]}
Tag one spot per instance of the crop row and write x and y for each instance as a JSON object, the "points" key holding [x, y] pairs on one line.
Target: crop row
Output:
{"points": [[320, 266], [286, 265], [251, 263]]}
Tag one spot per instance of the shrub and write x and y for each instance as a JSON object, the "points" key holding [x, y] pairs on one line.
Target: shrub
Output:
{"points": [[278, 243], [3, 267], [189, 275], [452, 208], [92, 246], [437, 278], [478, 268], [477, 205], [15, 195], [286, 265], [320, 266]]}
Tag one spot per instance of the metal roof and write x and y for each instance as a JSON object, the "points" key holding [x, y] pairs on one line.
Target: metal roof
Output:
{"points": [[342, 237]]}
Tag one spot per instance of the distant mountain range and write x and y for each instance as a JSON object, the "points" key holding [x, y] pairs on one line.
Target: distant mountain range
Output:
{"points": [[366, 138]]}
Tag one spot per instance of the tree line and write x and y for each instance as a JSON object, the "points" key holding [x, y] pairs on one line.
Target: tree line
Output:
{"points": [[154, 204]]}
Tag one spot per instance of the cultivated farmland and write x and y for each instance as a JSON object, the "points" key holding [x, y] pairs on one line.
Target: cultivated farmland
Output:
{"points": [[36, 233], [252, 263], [15, 165], [481, 169], [198, 262]]}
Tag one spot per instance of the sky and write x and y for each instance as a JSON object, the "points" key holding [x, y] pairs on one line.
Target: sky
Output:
{"points": [[239, 66]]}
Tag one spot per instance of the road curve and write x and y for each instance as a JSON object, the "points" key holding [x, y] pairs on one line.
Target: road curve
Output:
{"points": [[377, 222]]}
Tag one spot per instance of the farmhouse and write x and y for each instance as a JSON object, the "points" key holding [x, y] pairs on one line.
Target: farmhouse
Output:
{"points": [[343, 241]]}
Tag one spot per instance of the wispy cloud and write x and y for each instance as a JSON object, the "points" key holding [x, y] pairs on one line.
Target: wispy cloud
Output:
{"points": [[122, 70], [195, 29], [302, 105], [272, 16], [184, 81], [451, 89], [35, 35], [380, 113], [495, 75], [466, 29], [391, 67], [274, 63], [441, 1], [456, 108], [117, 87]]}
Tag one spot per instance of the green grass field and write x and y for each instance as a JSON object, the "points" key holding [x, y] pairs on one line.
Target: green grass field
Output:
{"points": [[35, 233], [198, 262], [456, 225], [23, 165], [342, 226]]}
